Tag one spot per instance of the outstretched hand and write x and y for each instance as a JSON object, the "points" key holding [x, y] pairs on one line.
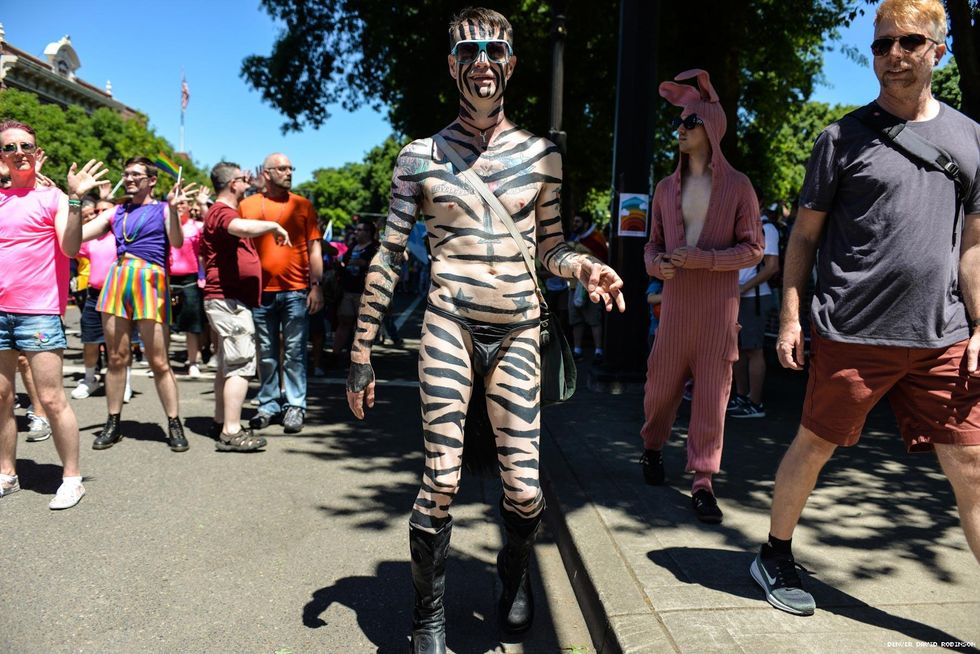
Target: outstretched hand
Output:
{"points": [[603, 284], [82, 181], [181, 192], [258, 180], [360, 388]]}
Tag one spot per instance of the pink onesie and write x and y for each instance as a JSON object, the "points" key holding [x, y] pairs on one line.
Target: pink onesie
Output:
{"points": [[698, 333]]}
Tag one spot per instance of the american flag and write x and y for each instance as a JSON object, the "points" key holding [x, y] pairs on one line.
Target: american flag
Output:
{"points": [[185, 94]]}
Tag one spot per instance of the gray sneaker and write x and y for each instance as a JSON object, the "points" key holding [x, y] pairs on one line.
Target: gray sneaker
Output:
{"points": [[38, 430], [779, 579], [292, 422]]}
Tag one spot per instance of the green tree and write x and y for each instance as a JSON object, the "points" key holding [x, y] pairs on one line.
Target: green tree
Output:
{"points": [[354, 188], [946, 84], [789, 148], [71, 135], [763, 55]]}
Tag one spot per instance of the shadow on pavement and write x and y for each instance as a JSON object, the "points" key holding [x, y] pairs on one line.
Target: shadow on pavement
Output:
{"points": [[40, 478], [870, 496], [728, 572]]}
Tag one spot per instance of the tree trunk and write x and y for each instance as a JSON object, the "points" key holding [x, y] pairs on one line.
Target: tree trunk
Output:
{"points": [[964, 19]]}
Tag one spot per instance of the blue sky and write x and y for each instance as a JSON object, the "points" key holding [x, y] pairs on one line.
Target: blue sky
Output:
{"points": [[143, 46]]}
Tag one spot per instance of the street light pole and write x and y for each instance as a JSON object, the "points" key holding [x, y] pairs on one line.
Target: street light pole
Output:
{"points": [[636, 91]]}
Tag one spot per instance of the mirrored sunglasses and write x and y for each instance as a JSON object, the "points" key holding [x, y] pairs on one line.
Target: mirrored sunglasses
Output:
{"points": [[467, 51]]}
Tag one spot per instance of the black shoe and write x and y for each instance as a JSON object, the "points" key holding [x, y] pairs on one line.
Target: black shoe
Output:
{"points": [[577, 355], [598, 359], [706, 507], [214, 431], [515, 611], [110, 434], [176, 440], [429, 553], [260, 420], [653, 467]]}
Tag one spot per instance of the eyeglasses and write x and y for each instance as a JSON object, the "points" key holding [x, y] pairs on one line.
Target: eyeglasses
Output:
{"points": [[129, 175], [240, 178], [909, 43], [467, 51], [282, 169], [690, 122], [26, 148]]}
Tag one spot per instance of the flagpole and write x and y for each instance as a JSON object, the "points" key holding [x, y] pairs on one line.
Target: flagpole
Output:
{"points": [[181, 130]]}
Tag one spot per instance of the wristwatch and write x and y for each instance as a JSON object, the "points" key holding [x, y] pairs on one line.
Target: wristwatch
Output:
{"points": [[315, 283]]}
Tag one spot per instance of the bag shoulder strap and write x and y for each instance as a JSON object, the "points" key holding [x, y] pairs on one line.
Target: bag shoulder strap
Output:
{"points": [[910, 144], [495, 205]]}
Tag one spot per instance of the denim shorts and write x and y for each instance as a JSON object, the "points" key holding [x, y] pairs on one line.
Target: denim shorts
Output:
{"points": [[31, 333], [91, 321]]}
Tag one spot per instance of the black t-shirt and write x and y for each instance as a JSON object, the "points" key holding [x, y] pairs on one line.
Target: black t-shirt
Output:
{"points": [[356, 262], [887, 269]]}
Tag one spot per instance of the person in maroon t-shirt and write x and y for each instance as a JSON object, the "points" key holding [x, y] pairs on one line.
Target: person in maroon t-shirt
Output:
{"points": [[233, 285]]}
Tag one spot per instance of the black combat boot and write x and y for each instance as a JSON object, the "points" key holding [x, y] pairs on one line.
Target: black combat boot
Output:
{"points": [[515, 612], [176, 439], [429, 578], [110, 434]]}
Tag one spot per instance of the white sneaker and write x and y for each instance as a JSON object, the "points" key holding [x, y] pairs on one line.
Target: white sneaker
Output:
{"points": [[9, 485], [38, 430], [193, 371], [84, 389], [68, 495], [127, 394]]}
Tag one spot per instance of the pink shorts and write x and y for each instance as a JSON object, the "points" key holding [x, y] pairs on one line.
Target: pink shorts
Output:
{"points": [[932, 396]]}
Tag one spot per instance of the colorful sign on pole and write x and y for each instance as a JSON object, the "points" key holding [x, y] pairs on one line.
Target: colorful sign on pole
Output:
{"points": [[634, 209]]}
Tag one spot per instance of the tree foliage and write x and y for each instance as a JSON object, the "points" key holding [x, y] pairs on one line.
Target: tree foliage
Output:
{"points": [[71, 135], [354, 188], [764, 57], [946, 84]]}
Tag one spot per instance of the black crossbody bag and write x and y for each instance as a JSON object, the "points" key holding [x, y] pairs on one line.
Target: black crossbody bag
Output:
{"points": [[917, 149]]}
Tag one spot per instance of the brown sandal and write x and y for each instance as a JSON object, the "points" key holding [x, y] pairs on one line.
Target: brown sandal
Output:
{"points": [[243, 441]]}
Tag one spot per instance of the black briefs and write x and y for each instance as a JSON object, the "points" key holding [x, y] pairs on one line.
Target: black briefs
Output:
{"points": [[486, 337]]}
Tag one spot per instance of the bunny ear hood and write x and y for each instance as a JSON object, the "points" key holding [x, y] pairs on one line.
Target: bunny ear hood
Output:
{"points": [[703, 101]]}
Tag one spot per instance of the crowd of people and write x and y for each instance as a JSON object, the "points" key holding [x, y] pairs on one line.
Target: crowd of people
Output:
{"points": [[250, 276]]}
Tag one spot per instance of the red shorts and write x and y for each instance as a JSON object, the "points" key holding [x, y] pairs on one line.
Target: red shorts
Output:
{"points": [[932, 396]]}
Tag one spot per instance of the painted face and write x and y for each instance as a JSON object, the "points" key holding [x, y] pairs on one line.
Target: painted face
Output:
{"points": [[481, 65], [899, 68], [17, 149]]}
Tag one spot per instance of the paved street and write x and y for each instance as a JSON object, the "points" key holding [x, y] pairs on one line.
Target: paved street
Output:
{"points": [[303, 548], [300, 549]]}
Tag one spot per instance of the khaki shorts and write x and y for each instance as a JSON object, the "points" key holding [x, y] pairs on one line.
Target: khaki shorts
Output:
{"points": [[349, 304], [232, 321], [932, 396]]}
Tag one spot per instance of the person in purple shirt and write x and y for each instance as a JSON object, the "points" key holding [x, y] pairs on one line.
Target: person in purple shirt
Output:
{"points": [[136, 290]]}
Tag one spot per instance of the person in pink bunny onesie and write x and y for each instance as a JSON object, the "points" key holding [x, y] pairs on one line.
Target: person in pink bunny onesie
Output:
{"points": [[705, 227]]}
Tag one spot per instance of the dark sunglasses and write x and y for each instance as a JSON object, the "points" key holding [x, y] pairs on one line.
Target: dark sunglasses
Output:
{"points": [[26, 148], [466, 52], [909, 43], [690, 122]]}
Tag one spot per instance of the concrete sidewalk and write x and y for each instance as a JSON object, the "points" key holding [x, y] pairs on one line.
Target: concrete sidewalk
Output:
{"points": [[891, 567]]}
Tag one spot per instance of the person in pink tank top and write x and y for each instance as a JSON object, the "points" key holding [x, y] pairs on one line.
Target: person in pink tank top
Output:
{"points": [[40, 228]]}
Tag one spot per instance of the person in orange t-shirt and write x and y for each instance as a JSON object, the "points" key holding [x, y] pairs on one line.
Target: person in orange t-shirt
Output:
{"points": [[290, 293]]}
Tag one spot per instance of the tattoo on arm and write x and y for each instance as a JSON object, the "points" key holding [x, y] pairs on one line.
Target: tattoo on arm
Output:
{"points": [[382, 275]]}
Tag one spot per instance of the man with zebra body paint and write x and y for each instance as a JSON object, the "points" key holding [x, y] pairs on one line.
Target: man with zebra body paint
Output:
{"points": [[481, 326]]}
